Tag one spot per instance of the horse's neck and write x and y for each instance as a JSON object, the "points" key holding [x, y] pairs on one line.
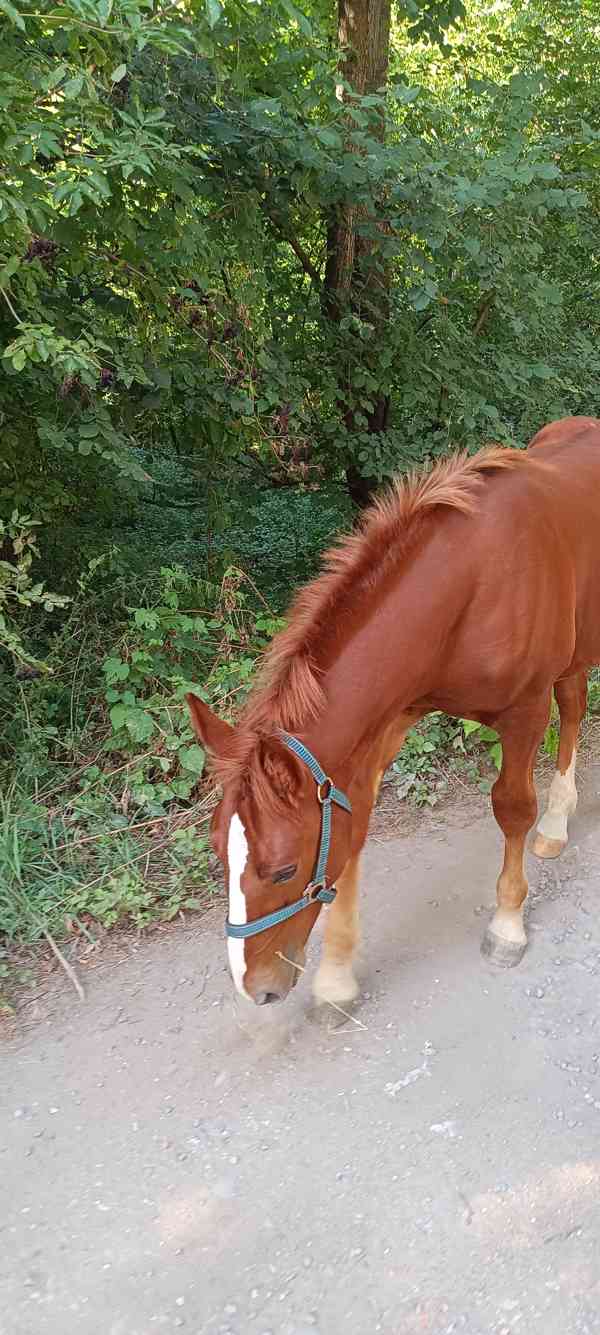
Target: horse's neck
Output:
{"points": [[385, 667]]}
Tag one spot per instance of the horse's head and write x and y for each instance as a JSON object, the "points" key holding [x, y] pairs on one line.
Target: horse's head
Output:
{"points": [[268, 831]]}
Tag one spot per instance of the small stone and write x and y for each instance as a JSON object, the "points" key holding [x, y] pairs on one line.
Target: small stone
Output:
{"points": [[230, 1309], [179, 1302]]}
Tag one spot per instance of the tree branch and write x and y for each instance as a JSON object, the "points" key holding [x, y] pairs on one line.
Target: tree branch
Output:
{"points": [[299, 251], [306, 263], [483, 312]]}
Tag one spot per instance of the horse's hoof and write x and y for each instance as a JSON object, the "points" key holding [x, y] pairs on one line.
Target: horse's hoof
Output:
{"points": [[548, 848], [504, 954], [336, 984]]}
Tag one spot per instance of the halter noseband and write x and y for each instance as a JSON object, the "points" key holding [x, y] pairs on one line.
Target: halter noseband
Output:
{"points": [[316, 890]]}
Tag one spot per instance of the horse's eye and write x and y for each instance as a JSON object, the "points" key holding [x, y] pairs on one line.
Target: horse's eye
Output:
{"points": [[285, 874]]}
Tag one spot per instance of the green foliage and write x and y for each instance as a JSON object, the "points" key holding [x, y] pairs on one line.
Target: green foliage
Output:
{"points": [[89, 863], [125, 835], [166, 180], [18, 590], [181, 400], [420, 766], [440, 746]]}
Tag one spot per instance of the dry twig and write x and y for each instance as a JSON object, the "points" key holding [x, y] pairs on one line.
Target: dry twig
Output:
{"points": [[359, 1024], [68, 968]]}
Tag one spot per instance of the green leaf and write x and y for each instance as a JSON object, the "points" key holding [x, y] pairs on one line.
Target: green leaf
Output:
{"points": [[118, 74], [12, 14], [115, 669], [56, 76], [420, 300], [403, 93], [298, 17], [139, 724], [73, 87], [117, 715], [10, 268], [329, 137], [213, 10], [192, 758], [496, 754], [143, 616]]}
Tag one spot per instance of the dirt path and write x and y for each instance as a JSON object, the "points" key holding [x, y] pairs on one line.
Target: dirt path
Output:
{"points": [[170, 1161]]}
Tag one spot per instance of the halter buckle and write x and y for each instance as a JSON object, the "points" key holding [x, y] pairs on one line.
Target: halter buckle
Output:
{"points": [[314, 889], [324, 797]]}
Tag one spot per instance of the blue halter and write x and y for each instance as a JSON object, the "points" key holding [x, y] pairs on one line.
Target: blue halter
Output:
{"points": [[316, 890]]}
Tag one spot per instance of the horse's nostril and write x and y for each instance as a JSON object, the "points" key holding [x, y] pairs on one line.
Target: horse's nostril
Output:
{"points": [[265, 998]]}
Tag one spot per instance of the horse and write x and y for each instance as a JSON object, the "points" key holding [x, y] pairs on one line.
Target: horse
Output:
{"points": [[472, 589]]}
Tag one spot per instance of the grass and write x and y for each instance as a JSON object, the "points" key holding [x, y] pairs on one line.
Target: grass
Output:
{"points": [[58, 875]]}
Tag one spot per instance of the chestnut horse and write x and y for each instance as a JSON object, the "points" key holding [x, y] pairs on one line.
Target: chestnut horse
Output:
{"points": [[472, 589]]}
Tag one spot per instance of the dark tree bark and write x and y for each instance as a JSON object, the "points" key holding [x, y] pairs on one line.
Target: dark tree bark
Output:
{"points": [[355, 276]]}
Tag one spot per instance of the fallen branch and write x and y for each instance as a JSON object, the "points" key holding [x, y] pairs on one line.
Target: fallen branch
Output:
{"points": [[68, 968]]}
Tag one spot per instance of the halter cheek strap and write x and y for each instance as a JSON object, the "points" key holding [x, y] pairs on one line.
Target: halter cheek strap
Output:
{"points": [[316, 891]]}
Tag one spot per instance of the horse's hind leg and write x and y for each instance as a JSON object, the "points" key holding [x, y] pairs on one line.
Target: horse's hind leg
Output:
{"points": [[515, 808], [552, 834], [335, 979]]}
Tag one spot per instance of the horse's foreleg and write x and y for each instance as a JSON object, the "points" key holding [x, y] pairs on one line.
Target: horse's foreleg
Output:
{"points": [[515, 809], [335, 979], [552, 833]]}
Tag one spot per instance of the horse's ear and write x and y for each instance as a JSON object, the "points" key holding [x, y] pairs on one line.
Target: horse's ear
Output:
{"points": [[214, 734], [283, 770]]}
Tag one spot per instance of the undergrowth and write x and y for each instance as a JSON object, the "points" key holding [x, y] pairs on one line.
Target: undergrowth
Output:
{"points": [[105, 810]]}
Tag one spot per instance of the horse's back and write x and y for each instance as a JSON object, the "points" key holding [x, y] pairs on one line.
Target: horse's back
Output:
{"points": [[566, 433], [535, 541], [566, 495], [564, 459]]}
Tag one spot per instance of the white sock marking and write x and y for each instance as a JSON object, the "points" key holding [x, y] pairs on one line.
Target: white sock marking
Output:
{"points": [[508, 924], [237, 857], [562, 800]]}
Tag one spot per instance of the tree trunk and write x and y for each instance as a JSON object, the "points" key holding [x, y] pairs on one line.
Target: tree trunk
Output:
{"points": [[355, 276]]}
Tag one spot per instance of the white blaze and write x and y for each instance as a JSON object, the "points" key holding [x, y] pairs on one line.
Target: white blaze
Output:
{"points": [[237, 857]]}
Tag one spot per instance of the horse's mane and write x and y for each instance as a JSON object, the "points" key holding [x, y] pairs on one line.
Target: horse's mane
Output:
{"points": [[288, 693]]}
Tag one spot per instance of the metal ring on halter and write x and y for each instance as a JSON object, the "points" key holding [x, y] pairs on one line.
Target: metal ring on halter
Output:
{"points": [[314, 889], [321, 796]]}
